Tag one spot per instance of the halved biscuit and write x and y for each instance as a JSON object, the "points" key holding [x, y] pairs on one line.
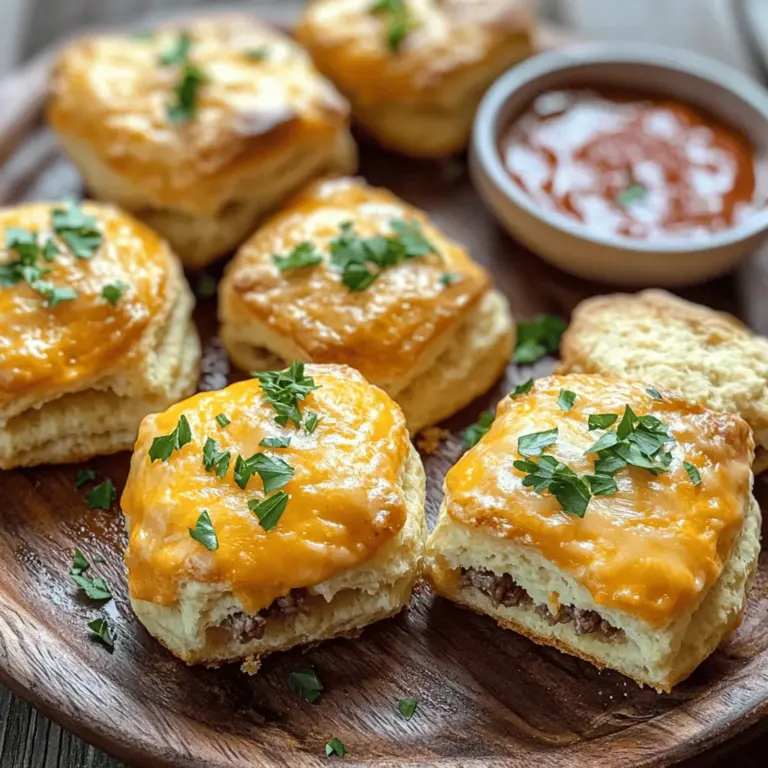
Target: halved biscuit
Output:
{"points": [[97, 332], [640, 564], [708, 357], [416, 71], [344, 550], [200, 129], [418, 317]]}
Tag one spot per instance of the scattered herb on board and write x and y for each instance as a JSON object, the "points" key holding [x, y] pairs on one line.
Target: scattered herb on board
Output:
{"points": [[204, 533], [205, 287], [101, 496], [305, 682], [100, 630], [162, 447], [96, 588], [335, 747], [83, 477], [472, 435], [538, 338], [407, 707]]}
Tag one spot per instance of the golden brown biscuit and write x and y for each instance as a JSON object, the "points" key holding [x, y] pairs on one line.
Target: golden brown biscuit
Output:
{"points": [[199, 130], [341, 548], [97, 331], [709, 357], [419, 319], [415, 70], [642, 570]]}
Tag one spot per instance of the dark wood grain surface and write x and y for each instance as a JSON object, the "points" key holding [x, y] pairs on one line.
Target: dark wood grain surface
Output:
{"points": [[481, 688]]}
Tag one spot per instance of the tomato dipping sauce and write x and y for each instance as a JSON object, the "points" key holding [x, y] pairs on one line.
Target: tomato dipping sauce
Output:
{"points": [[632, 165]]}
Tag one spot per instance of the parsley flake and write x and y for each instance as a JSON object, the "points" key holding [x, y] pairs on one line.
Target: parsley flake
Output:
{"points": [[96, 588], [449, 278], [79, 564], [305, 683], [538, 338], [178, 51], [204, 533], [53, 295], [214, 459], [522, 389], [654, 393], [602, 484], [601, 420], [112, 292], [273, 471], [407, 707], [534, 443], [276, 442], [270, 509], [83, 477], [693, 472], [206, 286], [472, 435], [101, 496], [303, 255], [549, 474], [284, 389], [631, 194], [335, 747], [79, 230], [566, 400], [310, 422], [223, 420], [257, 54], [399, 21], [162, 447], [100, 630], [186, 91]]}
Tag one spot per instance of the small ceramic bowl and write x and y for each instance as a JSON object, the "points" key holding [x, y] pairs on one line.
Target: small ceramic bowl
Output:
{"points": [[723, 92]]}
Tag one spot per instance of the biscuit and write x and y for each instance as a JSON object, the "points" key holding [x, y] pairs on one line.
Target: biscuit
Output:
{"points": [[419, 99], [429, 329], [656, 571], [91, 343], [708, 357], [345, 552], [257, 122]]}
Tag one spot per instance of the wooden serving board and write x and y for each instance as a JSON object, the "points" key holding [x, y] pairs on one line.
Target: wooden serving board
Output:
{"points": [[486, 696]]}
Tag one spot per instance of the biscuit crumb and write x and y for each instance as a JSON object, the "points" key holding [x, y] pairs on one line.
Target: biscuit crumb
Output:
{"points": [[251, 665], [430, 439]]}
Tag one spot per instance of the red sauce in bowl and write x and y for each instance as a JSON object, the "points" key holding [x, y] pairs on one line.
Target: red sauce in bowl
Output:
{"points": [[632, 165]]}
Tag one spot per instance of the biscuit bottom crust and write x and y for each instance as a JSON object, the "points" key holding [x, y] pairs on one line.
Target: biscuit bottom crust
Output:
{"points": [[195, 627], [658, 658], [94, 422], [472, 362], [197, 239]]}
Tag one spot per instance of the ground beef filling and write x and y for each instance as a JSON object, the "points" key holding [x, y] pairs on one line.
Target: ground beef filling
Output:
{"points": [[504, 591], [245, 627]]}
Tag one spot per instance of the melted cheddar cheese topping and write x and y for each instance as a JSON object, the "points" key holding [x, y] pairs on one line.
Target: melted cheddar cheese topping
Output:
{"points": [[346, 498], [652, 549], [385, 330], [44, 350], [261, 96], [445, 39]]}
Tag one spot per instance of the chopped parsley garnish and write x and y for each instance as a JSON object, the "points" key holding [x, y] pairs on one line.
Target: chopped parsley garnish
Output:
{"points": [[335, 747], [362, 260], [549, 474], [79, 564], [566, 400], [257, 54], [472, 435], [602, 484], [101, 496], [534, 443], [162, 447], [306, 683], [214, 459], [537, 338], [204, 533], [223, 420], [186, 90], [112, 292], [99, 629], [303, 255], [276, 442], [601, 420], [631, 194], [178, 51], [96, 588], [693, 472], [79, 230], [449, 278], [273, 471], [310, 422], [270, 509], [407, 707], [53, 295], [284, 389], [522, 389], [398, 18], [654, 393]]}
